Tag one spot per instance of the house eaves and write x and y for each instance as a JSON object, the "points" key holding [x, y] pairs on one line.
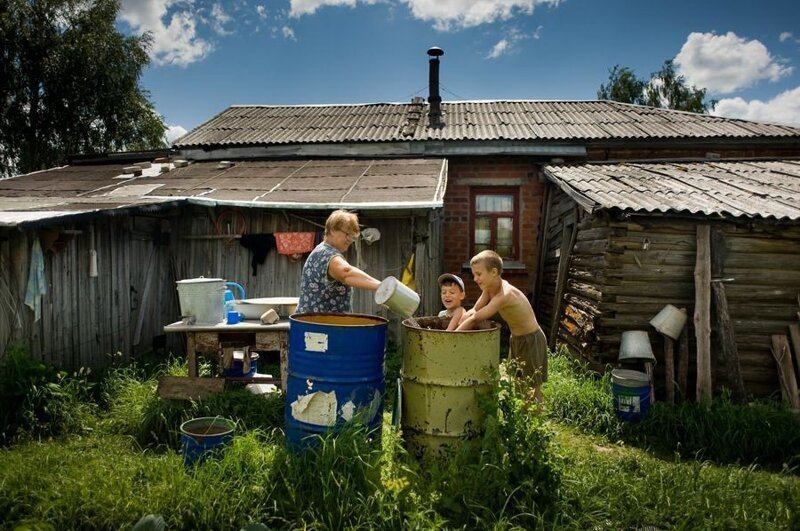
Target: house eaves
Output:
{"points": [[749, 189]]}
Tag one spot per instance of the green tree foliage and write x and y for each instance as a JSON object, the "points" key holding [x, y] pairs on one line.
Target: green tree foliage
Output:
{"points": [[665, 89], [69, 83]]}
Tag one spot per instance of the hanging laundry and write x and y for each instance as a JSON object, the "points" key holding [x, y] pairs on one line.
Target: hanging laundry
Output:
{"points": [[408, 274], [294, 244], [259, 246], [37, 283]]}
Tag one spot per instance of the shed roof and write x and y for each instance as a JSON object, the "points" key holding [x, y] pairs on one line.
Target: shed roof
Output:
{"points": [[360, 184], [250, 125], [741, 189]]}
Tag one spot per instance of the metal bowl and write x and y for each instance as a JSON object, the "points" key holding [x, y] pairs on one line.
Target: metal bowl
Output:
{"points": [[255, 308]]}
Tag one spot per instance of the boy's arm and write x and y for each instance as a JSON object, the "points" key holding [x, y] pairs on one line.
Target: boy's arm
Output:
{"points": [[458, 313], [473, 317]]}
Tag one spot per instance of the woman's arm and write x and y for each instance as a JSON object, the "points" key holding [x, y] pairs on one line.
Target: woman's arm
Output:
{"points": [[349, 275]]}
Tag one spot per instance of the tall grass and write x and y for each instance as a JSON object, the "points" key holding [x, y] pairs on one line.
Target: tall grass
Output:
{"points": [[761, 432]]}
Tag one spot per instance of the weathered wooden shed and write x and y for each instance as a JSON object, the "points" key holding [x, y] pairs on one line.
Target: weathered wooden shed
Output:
{"points": [[620, 243], [151, 225]]}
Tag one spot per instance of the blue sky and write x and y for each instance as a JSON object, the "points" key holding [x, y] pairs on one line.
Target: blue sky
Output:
{"points": [[210, 54]]}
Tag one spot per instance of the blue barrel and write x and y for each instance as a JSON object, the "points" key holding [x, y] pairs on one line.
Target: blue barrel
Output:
{"points": [[334, 374], [631, 392], [202, 435]]}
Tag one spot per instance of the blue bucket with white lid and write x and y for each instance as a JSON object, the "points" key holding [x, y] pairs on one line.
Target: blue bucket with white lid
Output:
{"points": [[631, 394]]}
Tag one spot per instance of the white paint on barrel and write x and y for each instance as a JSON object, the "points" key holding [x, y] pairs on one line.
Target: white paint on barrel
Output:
{"points": [[317, 408]]}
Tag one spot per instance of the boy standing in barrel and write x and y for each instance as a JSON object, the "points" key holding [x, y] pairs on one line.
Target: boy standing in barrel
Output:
{"points": [[528, 344]]}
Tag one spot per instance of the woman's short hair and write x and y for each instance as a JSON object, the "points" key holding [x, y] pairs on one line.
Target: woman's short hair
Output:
{"points": [[489, 259], [342, 220]]}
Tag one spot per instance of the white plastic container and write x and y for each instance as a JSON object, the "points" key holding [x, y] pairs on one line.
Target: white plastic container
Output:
{"points": [[202, 300], [669, 321], [255, 308], [398, 297]]}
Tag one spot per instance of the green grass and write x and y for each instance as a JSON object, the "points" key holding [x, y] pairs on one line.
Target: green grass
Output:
{"points": [[574, 467]]}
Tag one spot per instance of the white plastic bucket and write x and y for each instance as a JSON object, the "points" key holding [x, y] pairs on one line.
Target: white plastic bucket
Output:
{"points": [[669, 321], [202, 300], [398, 297]]}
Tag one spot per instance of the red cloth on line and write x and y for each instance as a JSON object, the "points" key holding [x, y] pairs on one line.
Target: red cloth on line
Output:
{"points": [[294, 243]]}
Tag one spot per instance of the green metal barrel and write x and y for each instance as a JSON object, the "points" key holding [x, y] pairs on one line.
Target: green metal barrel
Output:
{"points": [[443, 375]]}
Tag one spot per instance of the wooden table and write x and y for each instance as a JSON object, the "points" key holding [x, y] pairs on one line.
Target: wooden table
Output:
{"points": [[208, 338]]}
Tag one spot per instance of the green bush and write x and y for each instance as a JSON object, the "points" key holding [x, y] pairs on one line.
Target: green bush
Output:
{"points": [[760, 432], [508, 476], [38, 401], [135, 409], [763, 433], [580, 397]]}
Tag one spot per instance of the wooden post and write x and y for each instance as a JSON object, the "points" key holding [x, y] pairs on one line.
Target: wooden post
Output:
{"points": [[683, 363], [648, 369], [794, 332], [567, 242], [728, 350], [669, 369], [780, 351], [702, 316], [191, 355]]}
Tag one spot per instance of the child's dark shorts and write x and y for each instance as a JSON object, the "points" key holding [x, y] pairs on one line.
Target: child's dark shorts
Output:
{"points": [[531, 351]]}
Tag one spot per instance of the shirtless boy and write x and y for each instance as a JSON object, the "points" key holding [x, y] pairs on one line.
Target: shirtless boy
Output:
{"points": [[528, 343]]}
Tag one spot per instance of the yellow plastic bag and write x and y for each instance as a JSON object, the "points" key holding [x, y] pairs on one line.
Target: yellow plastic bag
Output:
{"points": [[408, 274]]}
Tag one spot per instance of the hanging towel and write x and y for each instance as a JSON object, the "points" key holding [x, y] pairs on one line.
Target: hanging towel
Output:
{"points": [[259, 245], [294, 244], [408, 274], [37, 283]]}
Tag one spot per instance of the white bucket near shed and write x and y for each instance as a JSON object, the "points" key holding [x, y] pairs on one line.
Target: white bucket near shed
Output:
{"points": [[202, 300]]}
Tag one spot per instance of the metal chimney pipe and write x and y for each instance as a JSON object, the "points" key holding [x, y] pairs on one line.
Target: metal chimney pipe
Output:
{"points": [[435, 101]]}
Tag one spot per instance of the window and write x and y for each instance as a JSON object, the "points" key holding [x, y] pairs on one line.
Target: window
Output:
{"points": [[495, 221]]}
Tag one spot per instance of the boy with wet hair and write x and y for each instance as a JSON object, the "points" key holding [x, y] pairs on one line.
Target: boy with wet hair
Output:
{"points": [[451, 289], [528, 344]]}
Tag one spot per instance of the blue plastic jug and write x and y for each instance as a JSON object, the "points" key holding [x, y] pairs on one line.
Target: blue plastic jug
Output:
{"points": [[229, 297]]}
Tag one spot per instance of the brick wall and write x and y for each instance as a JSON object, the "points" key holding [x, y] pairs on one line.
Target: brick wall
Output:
{"points": [[468, 172]]}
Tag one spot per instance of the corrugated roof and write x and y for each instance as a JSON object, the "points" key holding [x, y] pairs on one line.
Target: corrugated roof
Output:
{"points": [[363, 184], [243, 125], [751, 189]]}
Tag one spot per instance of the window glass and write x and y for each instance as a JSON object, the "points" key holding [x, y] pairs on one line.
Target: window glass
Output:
{"points": [[505, 237], [494, 203], [483, 233]]}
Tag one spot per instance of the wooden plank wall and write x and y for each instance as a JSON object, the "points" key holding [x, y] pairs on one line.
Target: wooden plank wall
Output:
{"points": [[87, 320], [560, 216], [623, 272]]}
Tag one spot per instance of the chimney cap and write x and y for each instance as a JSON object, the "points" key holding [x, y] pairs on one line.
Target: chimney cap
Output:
{"points": [[435, 51]]}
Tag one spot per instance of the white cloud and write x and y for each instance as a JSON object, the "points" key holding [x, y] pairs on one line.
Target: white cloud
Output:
{"points": [[455, 14], [262, 11], [498, 49], [725, 63], [218, 19], [174, 132], [783, 108], [785, 36], [288, 33], [175, 38], [445, 14], [509, 43], [309, 7]]}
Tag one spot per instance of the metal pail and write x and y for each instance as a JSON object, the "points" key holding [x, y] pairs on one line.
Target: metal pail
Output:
{"points": [[335, 374]]}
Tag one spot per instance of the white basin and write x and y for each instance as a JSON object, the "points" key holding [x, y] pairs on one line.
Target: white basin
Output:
{"points": [[255, 308]]}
